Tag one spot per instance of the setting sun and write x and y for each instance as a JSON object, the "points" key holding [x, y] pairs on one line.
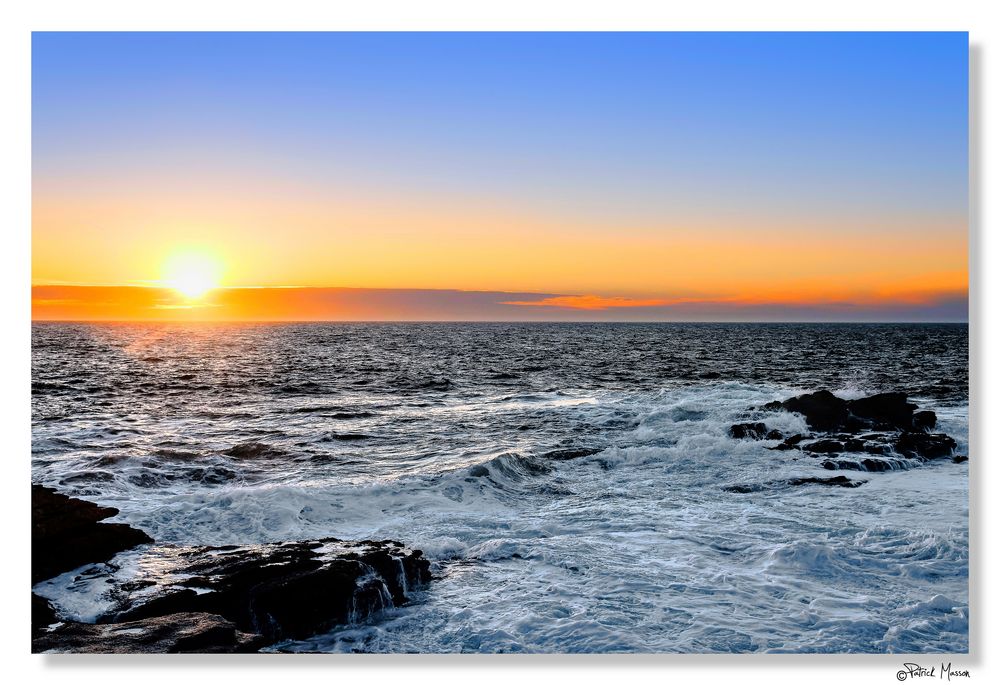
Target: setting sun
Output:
{"points": [[192, 273]]}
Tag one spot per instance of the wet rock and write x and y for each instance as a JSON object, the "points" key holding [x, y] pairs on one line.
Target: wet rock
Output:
{"points": [[960, 458], [869, 464], [888, 411], [176, 633], [42, 614], [790, 443], [572, 453], [751, 431], [66, 533], [841, 481], [774, 435], [823, 446], [902, 433], [286, 590], [925, 445], [822, 410], [885, 411], [924, 420]]}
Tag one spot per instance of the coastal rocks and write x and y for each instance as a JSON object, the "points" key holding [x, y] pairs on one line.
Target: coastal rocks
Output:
{"points": [[869, 464], [925, 445], [888, 411], [789, 443], [176, 633], [753, 431], [282, 590], [204, 599], [42, 614], [885, 426], [66, 533]]}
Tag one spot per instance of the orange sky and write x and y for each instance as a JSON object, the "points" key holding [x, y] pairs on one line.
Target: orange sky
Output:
{"points": [[299, 240], [762, 175]]}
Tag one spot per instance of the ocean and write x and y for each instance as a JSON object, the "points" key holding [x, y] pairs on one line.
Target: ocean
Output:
{"points": [[571, 484]]}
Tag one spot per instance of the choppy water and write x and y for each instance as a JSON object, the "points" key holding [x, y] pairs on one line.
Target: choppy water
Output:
{"points": [[452, 438]]}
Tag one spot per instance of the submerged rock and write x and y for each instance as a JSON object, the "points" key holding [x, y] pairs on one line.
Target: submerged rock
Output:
{"points": [[66, 533], [841, 481], [867, 464], [181, 632], [572, 453]]}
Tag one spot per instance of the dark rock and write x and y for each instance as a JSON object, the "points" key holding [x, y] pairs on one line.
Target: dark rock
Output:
{"points": [[841, 481], [572, 453], [66, 533], [924, 420], [173, 602], [822, 410], [752, 431], [925, 445], [773, 435], [789, 443], [888, 410], [960, 458], [870, 465], [823, 446], [183, 632], [42, 614], [287, 590]]}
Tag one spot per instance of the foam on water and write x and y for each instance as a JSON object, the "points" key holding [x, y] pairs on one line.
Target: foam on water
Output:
{"points": [[584, 516]]}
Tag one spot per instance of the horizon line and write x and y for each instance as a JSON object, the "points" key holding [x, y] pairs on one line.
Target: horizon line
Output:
{"points": [[499, 321]]}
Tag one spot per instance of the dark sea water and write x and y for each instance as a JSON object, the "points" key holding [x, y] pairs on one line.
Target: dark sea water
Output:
{"points": [[465, 440]]}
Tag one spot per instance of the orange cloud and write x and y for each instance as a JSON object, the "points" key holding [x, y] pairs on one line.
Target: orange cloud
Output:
{"points": [[134, 303], [591, 302]]}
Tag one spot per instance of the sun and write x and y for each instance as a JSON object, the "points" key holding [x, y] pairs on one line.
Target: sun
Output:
{"points": [[192, 273]]}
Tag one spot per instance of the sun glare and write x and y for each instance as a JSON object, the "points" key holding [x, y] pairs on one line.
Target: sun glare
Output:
{"points": [[192, 274]]}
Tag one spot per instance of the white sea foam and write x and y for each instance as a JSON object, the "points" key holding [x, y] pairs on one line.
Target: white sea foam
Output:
{"points": [[630, 545]]}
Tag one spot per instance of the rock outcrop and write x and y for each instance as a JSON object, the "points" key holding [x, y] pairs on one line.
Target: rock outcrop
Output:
{"points": [[283, 590], [882, 432], [888, 411], [207, 599], [67, 533], [182, 632]]}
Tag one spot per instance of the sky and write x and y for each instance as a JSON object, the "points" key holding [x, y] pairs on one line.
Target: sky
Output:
{"points": [[563, 176]]}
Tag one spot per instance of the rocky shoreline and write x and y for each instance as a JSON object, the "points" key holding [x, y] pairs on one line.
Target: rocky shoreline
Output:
{"points": [[207, 599], [882, 432]]}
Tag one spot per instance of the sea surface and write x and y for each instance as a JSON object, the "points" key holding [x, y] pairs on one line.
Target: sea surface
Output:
{"points": [[456, 439]]}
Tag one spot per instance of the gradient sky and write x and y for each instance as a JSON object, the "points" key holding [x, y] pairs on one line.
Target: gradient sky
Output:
{"points": [[652, 176]]}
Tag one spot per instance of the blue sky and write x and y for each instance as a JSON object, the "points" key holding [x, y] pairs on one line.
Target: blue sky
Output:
{"points": [[819, 135]]}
